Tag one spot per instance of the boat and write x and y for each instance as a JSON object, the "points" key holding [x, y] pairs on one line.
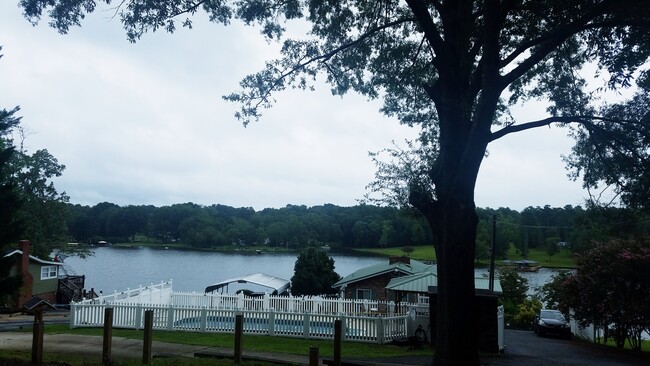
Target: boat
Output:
{"points": [[526, 265]]}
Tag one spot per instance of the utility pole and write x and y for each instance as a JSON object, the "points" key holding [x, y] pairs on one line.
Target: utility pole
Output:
{"points": [[492, 251]]}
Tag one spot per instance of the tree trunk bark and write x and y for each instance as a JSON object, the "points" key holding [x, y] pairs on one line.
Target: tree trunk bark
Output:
{"points": [[456, 342]]}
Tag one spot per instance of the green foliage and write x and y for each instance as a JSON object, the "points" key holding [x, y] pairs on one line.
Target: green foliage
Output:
{"points": [[612, 286], [408, 251], [30, 206], [526, 312], [11, 224], [514, 289], [554, 293], [314, 273], [44, 208]]}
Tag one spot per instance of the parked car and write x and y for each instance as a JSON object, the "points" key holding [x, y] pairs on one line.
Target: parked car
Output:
{"points": [[551, 322]]}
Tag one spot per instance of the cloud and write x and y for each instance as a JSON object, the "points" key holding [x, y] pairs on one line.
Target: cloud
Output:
{"points": [[145, 123]]}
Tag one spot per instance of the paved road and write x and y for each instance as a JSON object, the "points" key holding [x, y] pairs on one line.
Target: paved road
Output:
{"points": [[526, 348]]}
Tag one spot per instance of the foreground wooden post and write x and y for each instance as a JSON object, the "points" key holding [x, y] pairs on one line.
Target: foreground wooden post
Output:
{"points": [[108, 337], [338, 339], [239, 330], [148, 335], [313, 356], [37, 338]]}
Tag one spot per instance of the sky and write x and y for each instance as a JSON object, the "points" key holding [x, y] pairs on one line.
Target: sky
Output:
{"points": [[145, 123]]}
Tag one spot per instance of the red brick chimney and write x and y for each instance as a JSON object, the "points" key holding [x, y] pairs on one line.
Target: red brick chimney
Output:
{"points": [[28, 280]]}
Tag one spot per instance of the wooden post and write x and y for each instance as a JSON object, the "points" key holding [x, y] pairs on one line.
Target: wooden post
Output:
{"points": [[108, 337], [148, 336], [338, 339], [37, 338], [239, 330], [313, 356]]}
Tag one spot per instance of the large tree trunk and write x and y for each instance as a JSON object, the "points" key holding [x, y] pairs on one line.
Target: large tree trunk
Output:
{"points": [[456, 342], [453, 219]]}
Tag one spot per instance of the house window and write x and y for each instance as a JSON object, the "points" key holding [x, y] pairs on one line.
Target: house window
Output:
{"points": [[364, 294], [48, 272]]}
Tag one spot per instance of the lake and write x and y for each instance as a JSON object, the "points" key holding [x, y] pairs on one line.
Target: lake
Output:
{"points": [[116, 269]]}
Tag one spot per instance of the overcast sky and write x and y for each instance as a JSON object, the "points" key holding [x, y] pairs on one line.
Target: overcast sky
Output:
{"points": [[145, 123]]}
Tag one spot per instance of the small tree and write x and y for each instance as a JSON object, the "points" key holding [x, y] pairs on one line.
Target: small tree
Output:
{"points": [[551, 247], [612, 287], [314, 273], [408, 251], [553, 293], [514, 288]]}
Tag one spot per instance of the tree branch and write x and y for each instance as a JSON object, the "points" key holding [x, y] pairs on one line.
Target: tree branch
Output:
{"points": [[424, 19], [584, 120], [325, 57]]}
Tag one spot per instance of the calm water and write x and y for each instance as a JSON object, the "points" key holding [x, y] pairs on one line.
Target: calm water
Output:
{"points": [[116, 269]]}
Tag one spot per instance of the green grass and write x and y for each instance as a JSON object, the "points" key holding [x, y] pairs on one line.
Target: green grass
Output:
{"points": [[296, 346], [645, 345], [563, 259], [20, 358], [421, 253]]}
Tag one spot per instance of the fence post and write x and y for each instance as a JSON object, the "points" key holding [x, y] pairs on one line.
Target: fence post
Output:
{"points": [[170, 317], [313, 356], [138, 316], [148, 335], [73, 315], [266, 305], [239, 330], [37, 338], [380, 330], [338, 339], [305, 325], [204, 319], [271, 322], [108, 337]]}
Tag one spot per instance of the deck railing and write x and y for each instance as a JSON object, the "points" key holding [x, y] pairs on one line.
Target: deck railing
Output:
{"points": [[290, 304], [162, 294], [368, 328], [159, 294]]}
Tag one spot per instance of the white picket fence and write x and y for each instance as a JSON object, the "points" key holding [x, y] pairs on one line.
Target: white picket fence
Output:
{"points": [[373, 329], [162, 294]]}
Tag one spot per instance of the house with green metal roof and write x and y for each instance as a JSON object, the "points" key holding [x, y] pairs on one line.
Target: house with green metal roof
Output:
{"points": [[369, 283]]}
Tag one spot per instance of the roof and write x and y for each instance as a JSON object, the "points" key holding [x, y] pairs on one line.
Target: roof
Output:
{"points": [[36, 302], [420, 282], [383, 268], [35, 259], [278, 284]]}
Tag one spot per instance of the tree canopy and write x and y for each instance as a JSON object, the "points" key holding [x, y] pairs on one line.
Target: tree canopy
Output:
{"points": [[314, 273], [454, 68], [611, 287]]}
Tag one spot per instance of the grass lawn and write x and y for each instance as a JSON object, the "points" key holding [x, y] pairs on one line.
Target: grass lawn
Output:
{"points": [[563, 259], [252, 343], [287, 345], [421, 253]]}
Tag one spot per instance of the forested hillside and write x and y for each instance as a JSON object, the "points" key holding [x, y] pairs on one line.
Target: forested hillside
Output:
{"points": [[361, 226]]}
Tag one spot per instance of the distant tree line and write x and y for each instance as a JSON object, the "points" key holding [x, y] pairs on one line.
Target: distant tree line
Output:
{"points": [[361, 226]]}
